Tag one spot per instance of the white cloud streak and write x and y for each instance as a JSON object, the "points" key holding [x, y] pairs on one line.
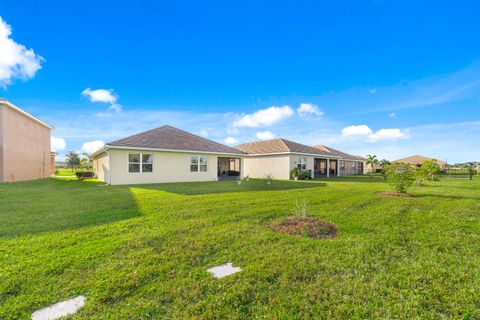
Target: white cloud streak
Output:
{"points": [[264, 117], [308, 109], [265, 135], [230, 140], [103, 96], [92, 146], [16, 61], [57, 144]]}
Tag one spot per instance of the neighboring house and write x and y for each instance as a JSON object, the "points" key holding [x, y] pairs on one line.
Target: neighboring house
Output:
{"points": [[279, 156], [418, 160], [24, 145], [347, 164], [166, 154]]}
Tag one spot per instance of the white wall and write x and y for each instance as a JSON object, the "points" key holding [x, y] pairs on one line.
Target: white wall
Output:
{"points": [[167, 167], [259, 166], [101, 167]]}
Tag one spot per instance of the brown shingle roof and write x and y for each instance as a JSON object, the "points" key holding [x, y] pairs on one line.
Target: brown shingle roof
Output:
{"points": [[170, 138], [418, 160], [278, 146], [342, 155]]}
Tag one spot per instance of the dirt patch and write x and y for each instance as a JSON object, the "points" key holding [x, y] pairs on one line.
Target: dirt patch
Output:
{"points": [[305, 227], [396, 194]]}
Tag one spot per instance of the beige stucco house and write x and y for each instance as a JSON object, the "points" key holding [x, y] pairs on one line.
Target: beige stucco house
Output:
{"points": [[24, 145], [348, 165], [166, 154], [418, 160], [279, 157]]}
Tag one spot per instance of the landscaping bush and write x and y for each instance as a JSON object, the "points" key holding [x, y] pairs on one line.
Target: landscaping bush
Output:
{"points": [[400, 176], [84, 174]]}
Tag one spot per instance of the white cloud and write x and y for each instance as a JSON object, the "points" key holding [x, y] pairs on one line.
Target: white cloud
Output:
{"points": [[392, 115], [105, 96], [92, 146], [57, 144], [380, 135], [230, 140], [16, 61], [265, 135], [388, 134], [361, 130], [307, 109], [264, 117], [204, 133]]}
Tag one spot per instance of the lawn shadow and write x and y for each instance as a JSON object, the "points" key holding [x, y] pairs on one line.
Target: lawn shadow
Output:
{"points": [[60, 204], [217, 187], [452, 197], [361, 179]]}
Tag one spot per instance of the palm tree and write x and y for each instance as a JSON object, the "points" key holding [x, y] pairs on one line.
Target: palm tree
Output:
{"points": [[371, 161]]}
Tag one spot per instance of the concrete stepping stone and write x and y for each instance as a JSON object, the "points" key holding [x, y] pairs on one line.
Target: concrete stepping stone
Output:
{"points": [[224, 270], [60, 309]]}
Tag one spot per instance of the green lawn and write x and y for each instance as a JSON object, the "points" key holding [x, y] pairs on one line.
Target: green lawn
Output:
{"points": [[141, 252]]}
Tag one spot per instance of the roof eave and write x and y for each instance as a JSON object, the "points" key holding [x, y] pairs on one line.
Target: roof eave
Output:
{"points": [[28, 115]]}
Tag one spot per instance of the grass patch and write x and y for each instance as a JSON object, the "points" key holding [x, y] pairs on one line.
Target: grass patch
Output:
{"points": [[143, 251]]}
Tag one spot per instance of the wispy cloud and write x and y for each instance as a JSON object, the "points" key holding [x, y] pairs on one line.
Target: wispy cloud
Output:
{"points": [[57, 144], [265, 135], [92, 146], [230, 140], [16, 61], [264, 117], [103, 96], [309, 109]]}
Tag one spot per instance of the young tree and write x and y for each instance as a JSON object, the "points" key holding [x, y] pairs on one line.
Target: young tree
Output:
{"points": [[384, 165], [86, 161], [400, 176], [371, 161], [430, 168], [72, 159]]}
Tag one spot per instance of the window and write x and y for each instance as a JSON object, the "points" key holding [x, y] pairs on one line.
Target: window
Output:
{"points": [[302, 163], [198, 164], [140, 162], [134, 162]]}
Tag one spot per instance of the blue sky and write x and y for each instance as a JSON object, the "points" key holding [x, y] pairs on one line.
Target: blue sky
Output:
{"points": [[393, 78]]}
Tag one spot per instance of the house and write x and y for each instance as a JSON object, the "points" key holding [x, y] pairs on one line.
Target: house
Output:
{"points": [[166, 154], [280, 156], [418, 160], [347, 164], [24, 145]]}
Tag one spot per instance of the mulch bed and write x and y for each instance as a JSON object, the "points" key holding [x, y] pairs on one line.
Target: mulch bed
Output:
{"points": [[305, 227], [396, 194]]}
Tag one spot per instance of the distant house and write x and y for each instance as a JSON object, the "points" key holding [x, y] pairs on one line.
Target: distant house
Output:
{"points": [[418, 160], [24, 145], [166, 154], [280, 156], [347, 164]]}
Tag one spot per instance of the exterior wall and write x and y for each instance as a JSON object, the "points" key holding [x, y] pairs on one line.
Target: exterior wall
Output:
{"points": [[101, 167], [26, 147], [167, 167], [1, 145], [259, 166]]}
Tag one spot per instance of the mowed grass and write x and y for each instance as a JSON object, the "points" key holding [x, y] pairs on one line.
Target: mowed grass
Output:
{"points": [[141, 252]]}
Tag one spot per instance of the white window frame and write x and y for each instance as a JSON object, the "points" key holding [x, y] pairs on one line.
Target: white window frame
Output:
{"points": [[300, 163], [140, 163], [198, 164]]}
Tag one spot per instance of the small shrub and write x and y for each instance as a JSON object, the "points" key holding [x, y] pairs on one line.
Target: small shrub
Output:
{"points": [[268, 178], [400, 176], [301, 208]]}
